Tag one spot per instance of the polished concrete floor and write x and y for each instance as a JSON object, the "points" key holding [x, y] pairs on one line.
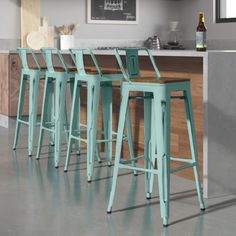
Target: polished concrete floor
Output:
{"points": [[37, 199]]}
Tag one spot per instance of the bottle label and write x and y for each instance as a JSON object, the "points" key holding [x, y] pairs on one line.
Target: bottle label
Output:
{"points": [[201, 40]]}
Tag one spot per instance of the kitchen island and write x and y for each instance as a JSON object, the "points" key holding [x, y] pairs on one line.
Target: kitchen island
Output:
{"points": [[213, 83]]}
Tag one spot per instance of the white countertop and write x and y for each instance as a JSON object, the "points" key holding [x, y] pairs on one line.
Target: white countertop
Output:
{"points": [[5, 51], [175, 53], [171, 53]]}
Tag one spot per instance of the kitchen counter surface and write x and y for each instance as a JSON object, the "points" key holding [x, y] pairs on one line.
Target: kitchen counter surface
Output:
{"points": [[6, 51], [174, 53]]}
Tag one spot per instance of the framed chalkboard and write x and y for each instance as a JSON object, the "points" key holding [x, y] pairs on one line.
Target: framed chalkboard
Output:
{"points": [[112, 11]]}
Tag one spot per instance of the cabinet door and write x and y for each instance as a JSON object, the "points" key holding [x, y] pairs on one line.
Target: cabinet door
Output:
{"points": [[14, 84], [4, 86]]}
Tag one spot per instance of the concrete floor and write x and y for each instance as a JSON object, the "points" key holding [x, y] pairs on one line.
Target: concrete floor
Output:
{"points": [[37, 199]]}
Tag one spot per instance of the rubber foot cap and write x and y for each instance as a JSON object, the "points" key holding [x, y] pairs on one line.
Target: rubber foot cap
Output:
{"points": [[65, 171], [56, 167], [89, 181], [108, 212], [165, 225], [203, 209], [14, 149]]}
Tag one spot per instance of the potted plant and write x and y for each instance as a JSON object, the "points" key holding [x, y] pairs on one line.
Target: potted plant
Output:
{"points": [[67, 39]]}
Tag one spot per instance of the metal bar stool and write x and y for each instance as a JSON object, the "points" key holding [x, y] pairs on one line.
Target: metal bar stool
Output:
{"points": [[54, 116], [157, 96], [33, 76], [95, 81]]}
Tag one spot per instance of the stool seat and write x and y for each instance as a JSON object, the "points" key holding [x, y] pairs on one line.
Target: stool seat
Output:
{"points": [[149, 79], [162, 80], [36, 68], [105, 70], [61, 69], [57, 69]]}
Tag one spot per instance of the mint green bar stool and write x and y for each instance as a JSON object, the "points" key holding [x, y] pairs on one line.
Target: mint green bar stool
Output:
{"points": [[54, 115], [33, 76], [157, 96], [97, 83]]}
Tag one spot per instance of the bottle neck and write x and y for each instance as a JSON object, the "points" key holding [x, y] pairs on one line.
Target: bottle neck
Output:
{"points": [[201, 19]]}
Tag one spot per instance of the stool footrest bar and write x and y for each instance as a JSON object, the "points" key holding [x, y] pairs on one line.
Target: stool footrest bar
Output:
{"points": [[153, 171], [105, 140], [182, 168], [48, 129], [140, 97], [129, 161], [178, 97], [182, 160], [23, 122], [110, 86]]}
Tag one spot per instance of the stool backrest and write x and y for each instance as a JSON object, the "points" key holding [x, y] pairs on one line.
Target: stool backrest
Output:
{"points": [[49, 54], [24, 53], [131, 69], [78, 59]]}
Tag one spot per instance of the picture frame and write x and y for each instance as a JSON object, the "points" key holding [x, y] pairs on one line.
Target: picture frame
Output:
{"points": [[113, 12]]}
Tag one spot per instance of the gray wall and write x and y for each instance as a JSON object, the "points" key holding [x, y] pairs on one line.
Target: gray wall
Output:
{"points": [[153, 15], [220, 36], [10, 19]]}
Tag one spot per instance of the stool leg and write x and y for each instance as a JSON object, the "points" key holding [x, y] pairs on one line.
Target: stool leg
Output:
{"points": [[92, 118], [193, 144], [130, 137], [44, 113], [77, 117], [50, 109], [33, 105], [66, 125], [72, 124], [122, 115], [107, 119], [162, 115], [98, 155], [20, 109], [147, 139], [60, 103], [153, 146], [167, 133]]}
